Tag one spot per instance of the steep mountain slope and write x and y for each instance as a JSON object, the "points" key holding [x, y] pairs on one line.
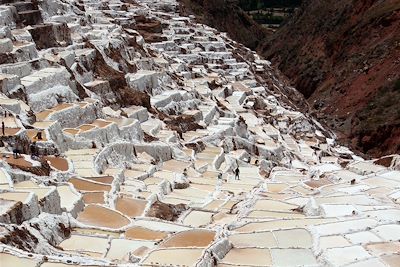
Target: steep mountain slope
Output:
{"points": [[226, 16], [344, 56]]}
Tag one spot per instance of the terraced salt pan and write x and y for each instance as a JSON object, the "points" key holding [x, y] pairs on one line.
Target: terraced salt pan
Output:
{"points": [[93, 198], [14, 261], [389, 232], [161, 226], [58, 163], [271, 205], [378, 249], [95, 215], [82, 243], [141, 233], [179, 256], [68, 197], [119, 248], [281, 224], [192, 238], [248, 256], [130, 207], [345, 255], [259, 239], [175, 166], [198, 218], [293, 257], [335, 241], [274, 215], [31, 133], [86, 185], [364, 237], [15, 196]]}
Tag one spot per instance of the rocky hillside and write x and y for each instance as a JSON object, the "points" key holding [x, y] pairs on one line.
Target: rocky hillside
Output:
{"points": [[344, 57], [227, 16]]}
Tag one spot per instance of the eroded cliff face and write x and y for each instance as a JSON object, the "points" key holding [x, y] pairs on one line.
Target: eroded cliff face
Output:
{"points": [[344, 57]]}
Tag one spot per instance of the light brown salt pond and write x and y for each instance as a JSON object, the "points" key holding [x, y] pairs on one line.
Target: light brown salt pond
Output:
{"points": [[85, 243], [31, 133], [142, 233], [15, 196], [41, 116], [58, 163], [272, 205], [95, 215], [93, 198], [85, 185], [71, 131], [101, 179], [86, 127], [40, 192], [383, 248], [62, 106], [57, 264], [9, 260], [334, 241], [180, 257], [276, 188], [175, 165], [248, 256], [18, 162], [130, 207], [119, 248], [25, 184], [392, 260], [214, 204], [282, 224], [192, 238], [204, 187], [286, 238], [101, 123], [318, 183], [95, 232], [198, 218], [261, 239], [274, 214]]}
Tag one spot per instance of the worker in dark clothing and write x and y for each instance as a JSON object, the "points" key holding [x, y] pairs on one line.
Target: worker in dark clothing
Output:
{"points": [[3, 128], [237, 173], [39, 135], [33, 149]]}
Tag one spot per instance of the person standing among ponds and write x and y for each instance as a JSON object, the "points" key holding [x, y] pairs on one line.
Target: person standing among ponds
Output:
{"points": [[237, 172], [33, 149]]}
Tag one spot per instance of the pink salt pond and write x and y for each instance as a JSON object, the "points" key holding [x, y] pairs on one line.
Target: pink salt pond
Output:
{"points": [[130, 207], [192, 238], [95, 215]]}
